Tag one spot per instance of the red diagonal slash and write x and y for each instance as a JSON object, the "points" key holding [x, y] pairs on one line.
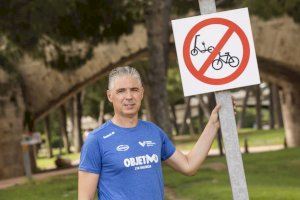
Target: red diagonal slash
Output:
{"points": [[232, 28], [216, 50]]}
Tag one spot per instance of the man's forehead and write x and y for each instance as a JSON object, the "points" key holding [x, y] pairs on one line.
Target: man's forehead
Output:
{"points": [[126, 82]]}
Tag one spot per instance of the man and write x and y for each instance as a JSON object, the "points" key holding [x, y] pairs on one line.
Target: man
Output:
{"points": [[122, 158]]}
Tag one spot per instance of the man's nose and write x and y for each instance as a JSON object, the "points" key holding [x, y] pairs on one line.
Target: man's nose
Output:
{"points": [[128, 95]]}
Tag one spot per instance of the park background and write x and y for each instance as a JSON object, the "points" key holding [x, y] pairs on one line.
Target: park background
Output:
{"points": [[54, 60]]}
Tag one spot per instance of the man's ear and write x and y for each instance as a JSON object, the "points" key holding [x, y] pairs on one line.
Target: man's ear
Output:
{"points": [[142, 92], [108, 93]]}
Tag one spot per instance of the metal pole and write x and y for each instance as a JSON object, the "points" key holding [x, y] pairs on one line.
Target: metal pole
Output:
{"points": [[229, 130]]}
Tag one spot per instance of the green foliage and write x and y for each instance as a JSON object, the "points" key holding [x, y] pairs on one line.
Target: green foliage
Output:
{"points": [[54, 118], [274, 8], [250, 118], [93, 95], [33, 24], [174, 87], [25, 22]]}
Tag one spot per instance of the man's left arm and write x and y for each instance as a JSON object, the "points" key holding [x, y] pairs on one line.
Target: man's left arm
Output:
{"points": [[190, 163]]}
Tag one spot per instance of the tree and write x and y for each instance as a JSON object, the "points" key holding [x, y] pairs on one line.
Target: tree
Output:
{"points": [[157, 17]]}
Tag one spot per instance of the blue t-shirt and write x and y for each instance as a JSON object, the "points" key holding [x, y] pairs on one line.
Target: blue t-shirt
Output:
{"points": [[128, 160]]}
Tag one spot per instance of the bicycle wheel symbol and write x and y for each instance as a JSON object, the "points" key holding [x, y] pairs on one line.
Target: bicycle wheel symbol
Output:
{"points": [[226, 58], [233, 61]]}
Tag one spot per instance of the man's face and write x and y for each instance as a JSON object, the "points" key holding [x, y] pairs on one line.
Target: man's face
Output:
{"points": [[126, 95]]}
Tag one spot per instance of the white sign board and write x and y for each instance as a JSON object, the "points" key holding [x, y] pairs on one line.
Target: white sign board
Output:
{"points": [[215, 52]]}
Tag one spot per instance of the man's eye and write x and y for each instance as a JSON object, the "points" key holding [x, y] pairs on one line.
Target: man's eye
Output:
{"points": [[120, 91]]}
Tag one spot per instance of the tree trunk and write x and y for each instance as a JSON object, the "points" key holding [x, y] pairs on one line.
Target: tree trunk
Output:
{"points": [[174, 119], [205, 108], [290, 102], [12, 110], [48, 136], [271, 108], [185, 115], [258, 107], [101, 112], [157, 17], [190, 122], [244, 108], [200, 115], [277, 106], [63, 128], [72, 119], [78, 140]]}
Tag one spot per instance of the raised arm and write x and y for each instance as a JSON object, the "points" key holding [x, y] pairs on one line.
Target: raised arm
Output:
{"points": [[190, 163], [87, 185]]}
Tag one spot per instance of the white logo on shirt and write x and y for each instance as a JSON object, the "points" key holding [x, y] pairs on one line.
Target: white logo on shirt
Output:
{"points": [[141, 162], [147, 143], [108, 135], [122, 147]]}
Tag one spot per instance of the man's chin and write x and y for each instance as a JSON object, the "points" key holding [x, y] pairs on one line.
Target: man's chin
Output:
{"points": [[130, 113]]}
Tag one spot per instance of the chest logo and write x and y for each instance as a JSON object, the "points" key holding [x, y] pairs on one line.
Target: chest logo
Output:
{"points": [[122, 147], [146, 143], [108, 135]]}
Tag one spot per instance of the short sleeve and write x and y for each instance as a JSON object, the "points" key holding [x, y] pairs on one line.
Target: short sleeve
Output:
{"points": [[167, 148], [90, 157]]}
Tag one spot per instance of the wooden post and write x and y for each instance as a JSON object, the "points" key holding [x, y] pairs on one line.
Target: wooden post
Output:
{"points": [[258, 107], [271, 108], [229, 130], [26, 160]]}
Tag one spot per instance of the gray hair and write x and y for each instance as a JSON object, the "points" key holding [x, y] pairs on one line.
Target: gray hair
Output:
{"points": [[122, 71]]}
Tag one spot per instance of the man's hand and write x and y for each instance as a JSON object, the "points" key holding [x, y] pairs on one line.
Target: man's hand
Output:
{"points": [[214, 117]]}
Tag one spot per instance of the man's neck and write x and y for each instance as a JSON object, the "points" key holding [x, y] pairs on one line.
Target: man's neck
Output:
{"points": [[124, 121]]}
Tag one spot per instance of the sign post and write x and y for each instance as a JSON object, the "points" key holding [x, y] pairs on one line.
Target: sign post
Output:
{"points": [[229, 130], [216, 53]]}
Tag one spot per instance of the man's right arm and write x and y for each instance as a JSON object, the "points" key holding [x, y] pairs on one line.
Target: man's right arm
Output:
{"points": [[87, 185]]}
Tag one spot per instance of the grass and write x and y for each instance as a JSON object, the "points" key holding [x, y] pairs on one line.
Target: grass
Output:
{"points": [[254, 137], [62, 187], [44, 162], [270, 175]]}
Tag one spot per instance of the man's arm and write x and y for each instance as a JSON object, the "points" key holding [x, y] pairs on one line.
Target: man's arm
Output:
{"points": [[190, 163], [87, 185]]}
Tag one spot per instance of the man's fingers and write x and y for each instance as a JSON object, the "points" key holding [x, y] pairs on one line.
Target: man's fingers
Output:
{"points": [[217, 108]]}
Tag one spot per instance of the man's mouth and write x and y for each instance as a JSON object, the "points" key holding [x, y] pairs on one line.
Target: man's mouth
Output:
{"points": [[129, 104]]}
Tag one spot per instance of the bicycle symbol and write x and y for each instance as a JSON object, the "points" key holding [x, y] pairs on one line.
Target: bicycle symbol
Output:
{"points": [[217, 64], [233, 61]]}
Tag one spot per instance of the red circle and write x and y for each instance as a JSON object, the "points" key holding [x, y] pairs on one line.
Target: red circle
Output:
{"points": [[191, 67]]}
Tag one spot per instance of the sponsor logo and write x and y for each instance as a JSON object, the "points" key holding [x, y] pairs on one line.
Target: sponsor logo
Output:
{"points": [[141, 162], [108, 135], [122, 147], [146, 143]]}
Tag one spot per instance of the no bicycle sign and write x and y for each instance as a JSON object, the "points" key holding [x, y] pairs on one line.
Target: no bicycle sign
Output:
{"points": [[215, 52]]}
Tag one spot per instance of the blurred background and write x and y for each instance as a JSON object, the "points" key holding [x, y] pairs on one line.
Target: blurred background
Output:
{"points": [[54, 60]]}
